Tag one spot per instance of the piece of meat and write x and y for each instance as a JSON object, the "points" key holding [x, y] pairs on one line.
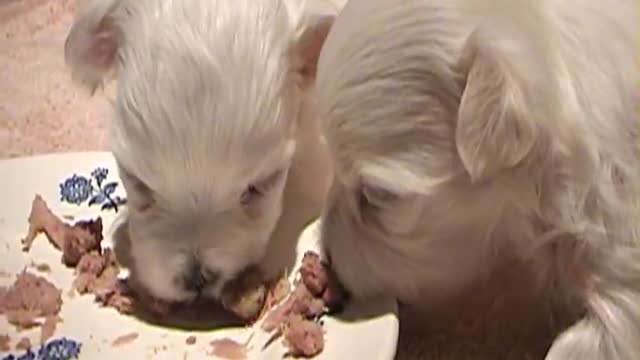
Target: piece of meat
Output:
{"points": [[300, 302], [74, 241], [280, 290], [246, 295], [48, 328], [23, 319], [118, 296], [125, 339], [191, 340], [5, 343], [228, 349], [43, 267], [24, 344], [313, 273], [83, 237], [41, 219], [30, 297], [92, 263], [302, 337]]}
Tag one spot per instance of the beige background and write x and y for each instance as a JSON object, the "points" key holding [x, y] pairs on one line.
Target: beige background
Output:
{"points": [[42, 112]]}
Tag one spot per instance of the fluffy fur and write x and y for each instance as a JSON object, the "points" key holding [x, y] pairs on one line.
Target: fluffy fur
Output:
{"points": [[470, 133], [209, 107]]}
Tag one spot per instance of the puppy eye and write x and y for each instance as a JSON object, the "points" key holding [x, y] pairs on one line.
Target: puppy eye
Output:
{"points": [[376, 197], [258, 189]]}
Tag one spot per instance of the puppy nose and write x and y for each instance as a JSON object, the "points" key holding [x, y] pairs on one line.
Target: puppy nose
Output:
{"points": [[196, 278], [193, 278]]}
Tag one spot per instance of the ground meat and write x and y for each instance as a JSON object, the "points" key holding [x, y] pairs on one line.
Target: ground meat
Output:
{"points": [[228, 349], [245, 296], [302, 337], [117, 296], [313, 273], [5, 343], [74, 241], [296, 318], [30, 297], [48, 328], [191, 340], [24, 344], [125, 339], [300, 302], [45, 268]]}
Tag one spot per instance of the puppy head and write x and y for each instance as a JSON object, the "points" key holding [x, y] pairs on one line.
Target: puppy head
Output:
{"points": [[429, 128], [207, 102]]}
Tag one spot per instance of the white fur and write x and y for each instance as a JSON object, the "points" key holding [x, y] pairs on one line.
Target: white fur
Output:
{"points": [[486, 131], [209, 97]]}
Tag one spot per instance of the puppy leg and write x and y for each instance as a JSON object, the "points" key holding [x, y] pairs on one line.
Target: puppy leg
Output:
{"points": [[610, 289]]}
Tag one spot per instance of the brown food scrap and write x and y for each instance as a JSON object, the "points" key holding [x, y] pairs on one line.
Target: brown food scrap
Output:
{"points": [[278, 291], [313, 273], [118, 296], [302, 337], [30, 297], [41, 219], [23, 319], [24, 344], [42, 267], [83, 237], [228, 349], [245, 296], [300, 302], [5, 343], [125, 339], [74, 241], [48, 328], [191, 340]]}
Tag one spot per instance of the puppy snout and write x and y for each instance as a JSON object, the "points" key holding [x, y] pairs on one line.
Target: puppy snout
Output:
{"points": [[196, 277]]}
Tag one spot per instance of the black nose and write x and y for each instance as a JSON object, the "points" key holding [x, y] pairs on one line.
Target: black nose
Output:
{"points": [[196, 277], [193, 278]]}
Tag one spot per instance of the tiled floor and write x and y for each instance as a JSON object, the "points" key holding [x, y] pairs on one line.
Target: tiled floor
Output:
{"points": [[42, 112]]}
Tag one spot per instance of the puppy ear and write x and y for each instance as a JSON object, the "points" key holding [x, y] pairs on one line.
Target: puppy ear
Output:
{"points": [[306, 50], [510, 91], [92, 44]]}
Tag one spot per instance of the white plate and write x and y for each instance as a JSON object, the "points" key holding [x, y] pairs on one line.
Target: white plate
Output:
{"points": [[372, 337]]}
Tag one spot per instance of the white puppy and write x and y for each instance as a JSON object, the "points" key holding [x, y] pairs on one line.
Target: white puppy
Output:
{"points": [[467, 134], [210, 102]]}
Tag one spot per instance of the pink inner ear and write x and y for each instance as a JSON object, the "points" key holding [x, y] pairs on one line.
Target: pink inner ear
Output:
{"points": [[311, 44], [103, 50]]}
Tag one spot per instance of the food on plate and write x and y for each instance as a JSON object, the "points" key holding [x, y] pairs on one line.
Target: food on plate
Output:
{"points": [[43, 267], [96, 269], [296, 318], [24, 344], [30, 297], [228, 349], [74, 240], [302, 337], [48, 328], [294, 314], [125, 339], [245, 296]]}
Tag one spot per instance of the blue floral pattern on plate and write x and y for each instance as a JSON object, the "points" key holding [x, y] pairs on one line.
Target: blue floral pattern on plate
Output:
{"points": [[57, 349], [93, 190]]}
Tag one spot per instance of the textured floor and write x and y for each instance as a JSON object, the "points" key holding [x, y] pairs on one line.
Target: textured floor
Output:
{"points": [[41, 112]]}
